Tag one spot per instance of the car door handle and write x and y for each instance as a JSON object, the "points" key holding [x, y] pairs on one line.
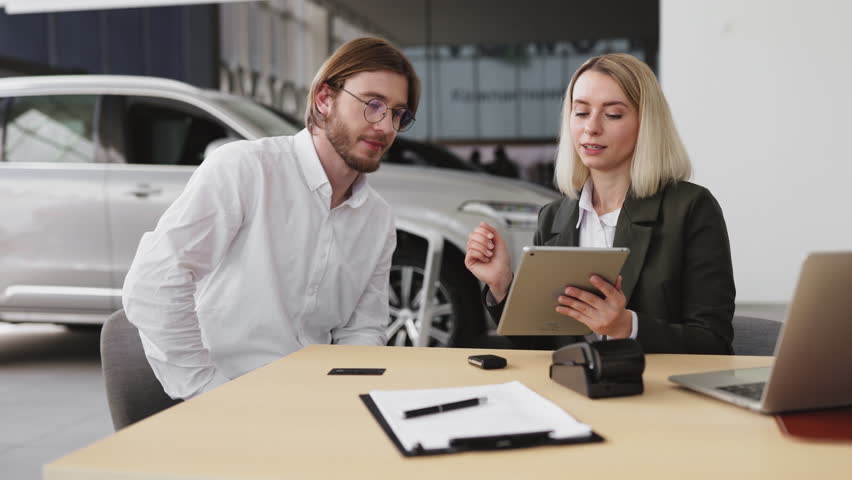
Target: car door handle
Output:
{"points": [[143, 190]]}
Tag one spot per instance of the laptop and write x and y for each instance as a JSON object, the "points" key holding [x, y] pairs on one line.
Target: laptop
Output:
{"points": [[813, 356]]}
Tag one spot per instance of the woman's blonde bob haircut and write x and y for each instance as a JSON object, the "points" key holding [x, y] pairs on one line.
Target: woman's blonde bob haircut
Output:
{"points": [[659, 158], [366, 54]]}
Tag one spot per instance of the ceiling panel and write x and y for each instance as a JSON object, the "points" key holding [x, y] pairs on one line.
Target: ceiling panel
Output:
{"points": [[448, 22]]}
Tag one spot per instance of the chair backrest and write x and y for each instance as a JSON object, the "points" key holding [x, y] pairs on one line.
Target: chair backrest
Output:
{"points": [[133, 392], [755, 336]]}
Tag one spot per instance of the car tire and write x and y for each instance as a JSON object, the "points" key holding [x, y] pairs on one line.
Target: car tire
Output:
{"points": [[457, 317]]}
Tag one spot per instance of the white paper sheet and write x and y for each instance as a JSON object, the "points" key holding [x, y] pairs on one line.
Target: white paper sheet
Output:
{"points": [[510, 408]]}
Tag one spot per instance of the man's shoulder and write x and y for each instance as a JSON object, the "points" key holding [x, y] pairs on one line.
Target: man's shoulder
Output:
{"points": [[377, 201], [257, 148], [250, 155]]}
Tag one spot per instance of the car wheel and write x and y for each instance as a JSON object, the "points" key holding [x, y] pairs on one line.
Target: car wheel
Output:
{"points": [[457, 316]]}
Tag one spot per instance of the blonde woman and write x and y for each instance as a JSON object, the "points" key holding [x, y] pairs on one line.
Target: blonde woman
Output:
{"points": [[623, 170]]}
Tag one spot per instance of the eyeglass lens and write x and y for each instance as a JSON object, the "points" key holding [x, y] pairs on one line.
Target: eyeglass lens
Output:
{"points": [[375, 111]]}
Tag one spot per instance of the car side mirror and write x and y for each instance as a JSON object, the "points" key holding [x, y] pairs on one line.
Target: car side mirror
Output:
{"points": [[212, 146]]}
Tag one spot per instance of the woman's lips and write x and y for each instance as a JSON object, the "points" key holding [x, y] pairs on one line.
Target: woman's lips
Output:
{"points": [[592, 149]]}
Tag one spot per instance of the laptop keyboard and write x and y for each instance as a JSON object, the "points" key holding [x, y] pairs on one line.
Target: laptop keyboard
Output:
{"points": [[748, 390]]}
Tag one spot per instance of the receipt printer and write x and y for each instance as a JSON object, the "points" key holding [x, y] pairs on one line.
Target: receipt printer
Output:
{"points": [[610, 368]]}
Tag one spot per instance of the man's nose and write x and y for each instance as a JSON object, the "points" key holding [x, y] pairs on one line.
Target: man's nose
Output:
{"points": [[385, 125]]}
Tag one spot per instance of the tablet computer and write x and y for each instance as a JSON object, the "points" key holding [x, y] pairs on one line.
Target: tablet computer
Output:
{"points": [[542, 276]]}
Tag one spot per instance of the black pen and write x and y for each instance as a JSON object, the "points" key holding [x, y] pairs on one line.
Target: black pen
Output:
{"points": [[419, 412]]}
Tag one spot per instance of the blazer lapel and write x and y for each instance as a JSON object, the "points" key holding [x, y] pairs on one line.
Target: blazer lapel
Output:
{"points": [[633, 230], [564, 227]]}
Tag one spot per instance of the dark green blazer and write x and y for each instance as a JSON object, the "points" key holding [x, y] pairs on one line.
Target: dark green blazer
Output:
{"points": [[678, 277]]}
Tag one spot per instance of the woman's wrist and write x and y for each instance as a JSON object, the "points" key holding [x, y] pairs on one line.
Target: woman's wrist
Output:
{"points": [[501, 288], [626, 325]]}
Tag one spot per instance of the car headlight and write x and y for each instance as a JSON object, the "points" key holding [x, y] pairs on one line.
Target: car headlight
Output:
{"points": [[522, 216]]}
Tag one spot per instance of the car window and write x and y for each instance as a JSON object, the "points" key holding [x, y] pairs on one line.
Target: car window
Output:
{"points": [[403, 156], [264, 119], [159, 132], [53, 128], [410, 152]]}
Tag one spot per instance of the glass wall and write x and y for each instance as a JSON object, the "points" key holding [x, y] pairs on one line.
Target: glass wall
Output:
{"points": [[514, 92], [271, 50]]}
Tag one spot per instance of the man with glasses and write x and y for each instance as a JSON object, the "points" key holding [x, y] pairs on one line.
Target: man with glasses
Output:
{"points": [[280, 242]]}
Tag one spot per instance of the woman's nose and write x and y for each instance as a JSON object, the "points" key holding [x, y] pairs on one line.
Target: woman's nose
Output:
{"points": [[593, 126]]}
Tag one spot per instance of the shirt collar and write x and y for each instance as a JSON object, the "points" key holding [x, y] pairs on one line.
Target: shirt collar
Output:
{"points": [[359, 192], [306, 154], [610, 219], [585, 202]]}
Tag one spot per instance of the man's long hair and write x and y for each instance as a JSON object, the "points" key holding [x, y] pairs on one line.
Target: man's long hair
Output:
{"points": [[364, 54]]}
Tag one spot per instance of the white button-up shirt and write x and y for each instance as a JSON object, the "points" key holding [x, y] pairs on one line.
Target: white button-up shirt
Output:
{"points": [[250, 264], [598, 232]]}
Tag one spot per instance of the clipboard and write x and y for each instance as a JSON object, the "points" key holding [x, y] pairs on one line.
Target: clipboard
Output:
{"points": [[532, 437]]}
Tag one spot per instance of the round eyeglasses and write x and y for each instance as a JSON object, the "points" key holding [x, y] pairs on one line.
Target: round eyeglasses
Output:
{"points": [[375, 111]]}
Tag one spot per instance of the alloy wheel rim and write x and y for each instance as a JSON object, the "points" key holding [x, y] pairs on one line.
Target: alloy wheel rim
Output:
{"points": [[406, 293]]}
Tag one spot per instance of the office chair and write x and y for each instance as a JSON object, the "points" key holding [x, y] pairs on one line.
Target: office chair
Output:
{"points": [[755, 336], [133, 392]]}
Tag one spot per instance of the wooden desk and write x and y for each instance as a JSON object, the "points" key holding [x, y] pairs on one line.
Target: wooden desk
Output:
{"points": [[291, 420]]}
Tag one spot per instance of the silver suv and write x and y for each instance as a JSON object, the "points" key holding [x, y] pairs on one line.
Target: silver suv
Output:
{"points": [[89, 163]]}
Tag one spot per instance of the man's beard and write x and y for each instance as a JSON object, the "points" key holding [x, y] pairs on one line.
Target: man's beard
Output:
{"points": [[341, 140]]}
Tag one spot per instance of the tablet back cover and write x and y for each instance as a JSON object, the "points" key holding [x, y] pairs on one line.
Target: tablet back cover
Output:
{"points": [[542, 276]]}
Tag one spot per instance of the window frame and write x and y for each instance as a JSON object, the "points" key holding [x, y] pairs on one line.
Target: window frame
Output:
{"points": [[4, 102]]}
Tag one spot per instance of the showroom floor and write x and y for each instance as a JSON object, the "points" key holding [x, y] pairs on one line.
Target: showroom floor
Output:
{"points": [[52, 399]]}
